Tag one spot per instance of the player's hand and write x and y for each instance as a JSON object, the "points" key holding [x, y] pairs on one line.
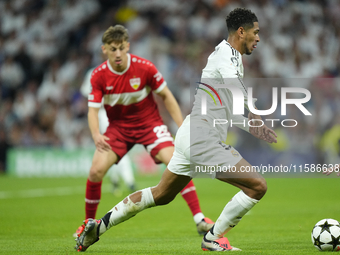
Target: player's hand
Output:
{"points": [[261, 131], [100, 142], [264, 133], [329, 171]]}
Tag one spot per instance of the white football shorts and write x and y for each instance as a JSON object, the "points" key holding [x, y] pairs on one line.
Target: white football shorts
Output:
{"points": [[199, 151]]}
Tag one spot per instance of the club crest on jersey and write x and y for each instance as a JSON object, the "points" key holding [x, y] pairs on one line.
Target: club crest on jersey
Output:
{"points": [[135, 83], [235, 153]]}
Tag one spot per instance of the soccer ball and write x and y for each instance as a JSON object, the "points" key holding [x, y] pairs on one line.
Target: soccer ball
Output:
{"points": [[326, 235]]}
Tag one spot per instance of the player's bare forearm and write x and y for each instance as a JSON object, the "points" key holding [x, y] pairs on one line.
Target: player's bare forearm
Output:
{"points": [[92, 117], [98, 138], [174, 110], [255, 129], [171, 105], [261, 131]]}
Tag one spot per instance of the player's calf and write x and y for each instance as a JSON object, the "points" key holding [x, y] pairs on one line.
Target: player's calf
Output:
{"points": [[163, 197], [128, 208], [169, 186]]}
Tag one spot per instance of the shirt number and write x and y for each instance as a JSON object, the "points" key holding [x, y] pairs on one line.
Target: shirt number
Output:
{"points": [[161, 131]]}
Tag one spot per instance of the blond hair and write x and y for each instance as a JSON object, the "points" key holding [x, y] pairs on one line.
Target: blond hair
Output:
{"points": [[117, 34]]}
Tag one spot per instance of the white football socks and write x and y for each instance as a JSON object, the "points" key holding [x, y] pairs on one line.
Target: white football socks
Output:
{"points": [[232, 213], [124, 211], [198, 217]]}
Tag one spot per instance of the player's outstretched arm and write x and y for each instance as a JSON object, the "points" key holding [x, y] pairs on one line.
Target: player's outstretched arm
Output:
{"points": [[261, 132], [98, 138], [171, 105]]}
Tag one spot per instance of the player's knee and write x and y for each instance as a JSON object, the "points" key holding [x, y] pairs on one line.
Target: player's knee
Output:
{"points": [[96, 174], [259, 188]]}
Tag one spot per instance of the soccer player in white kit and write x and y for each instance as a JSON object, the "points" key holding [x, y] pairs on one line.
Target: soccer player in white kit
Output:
{"points": [[198, 142]]}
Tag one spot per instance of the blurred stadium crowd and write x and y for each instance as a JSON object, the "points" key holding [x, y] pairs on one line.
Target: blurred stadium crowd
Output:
{"points": [[46, 47]]}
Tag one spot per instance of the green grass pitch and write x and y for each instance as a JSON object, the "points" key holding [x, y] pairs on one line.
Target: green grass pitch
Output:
{"points": [[39, 216]]}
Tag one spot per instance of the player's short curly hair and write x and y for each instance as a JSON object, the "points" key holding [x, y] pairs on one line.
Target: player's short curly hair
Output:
{"points": [[117, 34], [240, 17]]}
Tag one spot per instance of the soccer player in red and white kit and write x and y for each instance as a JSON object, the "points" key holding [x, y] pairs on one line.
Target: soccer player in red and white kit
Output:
{"points": [[126, 83]]}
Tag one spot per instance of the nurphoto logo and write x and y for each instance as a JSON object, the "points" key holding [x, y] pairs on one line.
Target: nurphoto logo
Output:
{"points": [[238, 103]]}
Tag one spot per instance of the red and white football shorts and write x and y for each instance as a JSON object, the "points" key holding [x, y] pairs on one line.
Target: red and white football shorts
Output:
{"points": [[154, 138]]}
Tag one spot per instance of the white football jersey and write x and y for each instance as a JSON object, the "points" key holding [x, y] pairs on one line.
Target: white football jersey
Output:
{"points": [[224, 67]]}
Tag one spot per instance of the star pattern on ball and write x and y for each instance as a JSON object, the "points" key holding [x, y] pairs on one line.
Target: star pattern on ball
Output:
{"points": [[335, 242], [325, 227], [317, 242]]}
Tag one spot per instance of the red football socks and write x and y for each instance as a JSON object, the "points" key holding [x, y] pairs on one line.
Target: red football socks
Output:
{"points": [[190, 196], [92, 198]]}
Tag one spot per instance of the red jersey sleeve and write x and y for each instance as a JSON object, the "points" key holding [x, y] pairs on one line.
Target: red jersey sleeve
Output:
{"points": [[96, 95], [155, 79]]}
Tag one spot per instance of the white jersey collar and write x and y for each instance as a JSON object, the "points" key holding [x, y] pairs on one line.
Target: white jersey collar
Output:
{"points": [[122, 72], [231, 46]]}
